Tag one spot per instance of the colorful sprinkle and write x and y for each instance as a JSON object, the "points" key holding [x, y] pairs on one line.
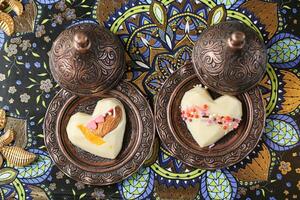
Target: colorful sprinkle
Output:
{"points": [[227, 123], [99, 119], [92, 125]]}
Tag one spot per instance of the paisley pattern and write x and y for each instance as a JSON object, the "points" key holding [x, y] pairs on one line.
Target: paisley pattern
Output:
{"points": [[47, 1], [172, 172], [258, 169], [2, 36], [158, 36], [290, 92], [281, 132], [7, 175], [38, 171], [284, 50], [229, 4], [139, 185], [218, 184]]}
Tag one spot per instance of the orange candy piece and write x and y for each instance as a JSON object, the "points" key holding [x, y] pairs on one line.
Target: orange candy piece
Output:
{"points": [[95, 139]]}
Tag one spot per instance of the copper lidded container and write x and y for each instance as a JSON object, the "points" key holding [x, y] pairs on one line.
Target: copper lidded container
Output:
{"points": [[229, 59], [88, 62]]}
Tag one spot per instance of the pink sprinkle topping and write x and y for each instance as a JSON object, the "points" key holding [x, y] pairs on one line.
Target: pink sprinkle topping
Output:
{"points": [[209, 122], [99, 119], [92, 125], [201, 112]]}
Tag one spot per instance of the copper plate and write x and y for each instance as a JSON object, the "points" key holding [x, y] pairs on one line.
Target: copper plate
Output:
{"points": [[85, 167], [177, 138]]}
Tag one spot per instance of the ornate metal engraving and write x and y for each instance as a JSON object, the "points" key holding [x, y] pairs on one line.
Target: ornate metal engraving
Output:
{"points": [[177, 139], [230, 66], [88, 168], [94, 68]]}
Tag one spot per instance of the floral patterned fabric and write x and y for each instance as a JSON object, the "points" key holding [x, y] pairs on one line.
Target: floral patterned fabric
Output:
{"points": [[158, 37]]}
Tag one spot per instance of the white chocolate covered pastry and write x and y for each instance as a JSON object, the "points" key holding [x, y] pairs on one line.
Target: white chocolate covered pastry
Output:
{"points": [[102, 132], [209, 120]]}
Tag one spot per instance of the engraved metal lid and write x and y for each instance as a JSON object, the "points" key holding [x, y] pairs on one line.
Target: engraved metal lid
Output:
{"points": [[230, 58], [87, 59]]}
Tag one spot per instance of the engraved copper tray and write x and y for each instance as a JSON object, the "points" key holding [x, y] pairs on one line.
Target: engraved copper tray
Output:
{"points": [[177, 139], [85, 167]]}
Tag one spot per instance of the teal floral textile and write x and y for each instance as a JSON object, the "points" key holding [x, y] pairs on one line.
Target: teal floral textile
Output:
{"points": [[158, 36]]}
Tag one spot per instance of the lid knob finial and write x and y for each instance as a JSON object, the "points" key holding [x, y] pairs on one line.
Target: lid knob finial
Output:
{"points": [[237, 40], [81, 42]]}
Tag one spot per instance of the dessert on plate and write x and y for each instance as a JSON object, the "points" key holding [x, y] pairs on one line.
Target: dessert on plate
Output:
{"points": [[207, 119], [102, 132]]}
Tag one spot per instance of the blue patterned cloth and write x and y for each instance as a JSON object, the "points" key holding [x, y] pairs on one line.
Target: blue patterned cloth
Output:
{"points": [[158, 37]]}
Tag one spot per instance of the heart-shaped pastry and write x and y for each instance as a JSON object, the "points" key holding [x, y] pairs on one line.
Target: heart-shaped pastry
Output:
{"points": [[102, 132], [208, 120]]}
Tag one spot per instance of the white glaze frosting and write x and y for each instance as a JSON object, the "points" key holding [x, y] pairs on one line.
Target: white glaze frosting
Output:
{"points": [[207, 134], [113, 140]]}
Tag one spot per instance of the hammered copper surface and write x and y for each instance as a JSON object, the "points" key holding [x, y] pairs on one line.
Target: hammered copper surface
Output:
{"points": [[87, 59], [230, 58], [177, 139], [88, 168]]}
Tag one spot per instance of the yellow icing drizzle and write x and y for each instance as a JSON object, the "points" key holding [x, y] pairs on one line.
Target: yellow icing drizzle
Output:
{"points": [[90, 136]]}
